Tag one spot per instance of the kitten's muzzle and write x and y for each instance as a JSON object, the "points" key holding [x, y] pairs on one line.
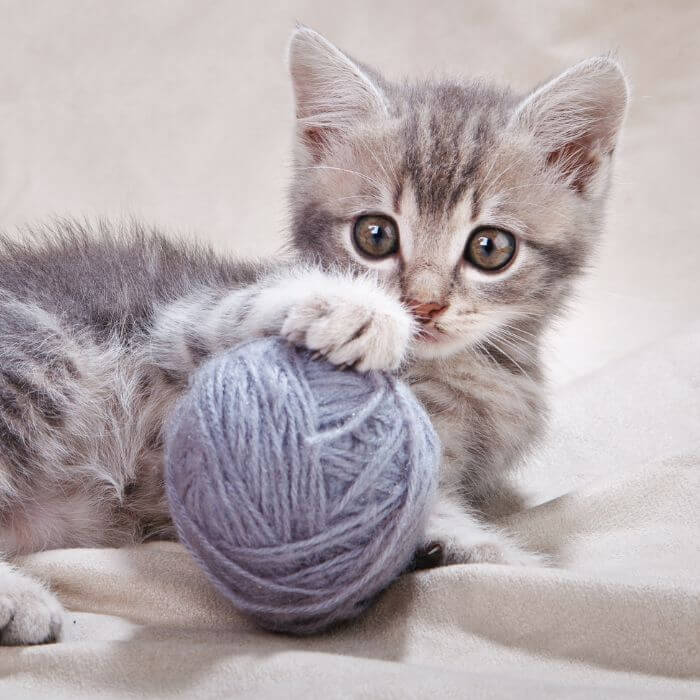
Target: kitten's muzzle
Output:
{"points": [[426, 312]]}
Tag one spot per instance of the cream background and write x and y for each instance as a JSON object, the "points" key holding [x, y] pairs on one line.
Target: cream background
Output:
{"points": [[179, 112]]}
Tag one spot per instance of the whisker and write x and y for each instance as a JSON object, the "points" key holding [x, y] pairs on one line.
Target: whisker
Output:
{"points": [[489, 357], [343, 170], [530, 314], [495, 181], [515, 340], [376, 159], [533, 340], [520, 330], [505, 354], [515, 337], [389, 160]]}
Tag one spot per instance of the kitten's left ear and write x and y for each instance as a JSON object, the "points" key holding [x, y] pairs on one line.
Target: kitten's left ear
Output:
{"points": [[332, 91], [576, 118]]}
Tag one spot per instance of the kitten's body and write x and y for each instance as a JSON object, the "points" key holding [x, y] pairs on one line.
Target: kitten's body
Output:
{"points": [[100, 332], [82, 394]]}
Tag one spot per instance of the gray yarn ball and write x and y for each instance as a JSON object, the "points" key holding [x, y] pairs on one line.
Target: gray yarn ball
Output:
{"points": [[300, 489]]}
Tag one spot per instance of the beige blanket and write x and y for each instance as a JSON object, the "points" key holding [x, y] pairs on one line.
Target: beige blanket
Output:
{"points": [[180, 112], [622, 618]]}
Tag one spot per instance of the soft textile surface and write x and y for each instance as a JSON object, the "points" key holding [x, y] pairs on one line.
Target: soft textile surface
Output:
{"points": [[622, 617], [180, 112]]}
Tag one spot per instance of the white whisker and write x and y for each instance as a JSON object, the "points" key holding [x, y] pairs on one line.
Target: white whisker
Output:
{"points": [[507, 356], [343, 170], [519, 339]]}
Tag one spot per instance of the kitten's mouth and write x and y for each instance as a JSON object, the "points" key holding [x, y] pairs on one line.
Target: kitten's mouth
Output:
{"points": [[432, 335], [433, 343]]}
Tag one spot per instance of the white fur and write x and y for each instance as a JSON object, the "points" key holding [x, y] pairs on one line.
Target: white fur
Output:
{"points": [[322, 311], [29, 612], [467, 541], [348, 320]]}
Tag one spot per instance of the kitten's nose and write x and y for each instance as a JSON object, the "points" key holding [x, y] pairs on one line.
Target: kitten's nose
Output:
{"points": [[426, 311]]}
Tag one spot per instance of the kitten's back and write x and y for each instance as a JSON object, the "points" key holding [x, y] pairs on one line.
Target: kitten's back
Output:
{"points": [[108, 279]]}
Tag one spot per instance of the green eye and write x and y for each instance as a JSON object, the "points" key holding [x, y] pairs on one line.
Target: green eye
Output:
{"points": [[490, 249], [376, 236]]}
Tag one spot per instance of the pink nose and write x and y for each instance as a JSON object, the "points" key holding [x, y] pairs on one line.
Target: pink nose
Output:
{"points": [[426, 311]]}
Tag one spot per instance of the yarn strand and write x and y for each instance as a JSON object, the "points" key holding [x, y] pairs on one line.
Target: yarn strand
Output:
{"points": [[301, 490]]}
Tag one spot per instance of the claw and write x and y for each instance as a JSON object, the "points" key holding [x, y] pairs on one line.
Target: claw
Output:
{"points": [[428, 557]]}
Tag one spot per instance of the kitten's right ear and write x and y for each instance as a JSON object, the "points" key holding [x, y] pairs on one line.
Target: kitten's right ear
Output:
{"points": [[576, 118], [332, 92]]}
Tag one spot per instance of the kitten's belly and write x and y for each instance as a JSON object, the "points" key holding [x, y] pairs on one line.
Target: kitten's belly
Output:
{"points": [[55, 522], [98, 481], [92, 515]]}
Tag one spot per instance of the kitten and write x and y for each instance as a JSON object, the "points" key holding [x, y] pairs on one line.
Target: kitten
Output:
{"points": [[436, 230]]}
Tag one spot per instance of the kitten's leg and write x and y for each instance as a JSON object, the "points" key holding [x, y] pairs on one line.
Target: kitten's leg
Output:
{"points": [[453, 536], [40, 398], [348, 320], [29, 612]]}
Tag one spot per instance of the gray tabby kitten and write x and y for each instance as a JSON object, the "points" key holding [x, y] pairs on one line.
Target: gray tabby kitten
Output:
{"points": [[437, 228]]}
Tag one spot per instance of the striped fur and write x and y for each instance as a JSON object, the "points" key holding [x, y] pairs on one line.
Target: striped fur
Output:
{"points": [[443, 159], [101, 328]]}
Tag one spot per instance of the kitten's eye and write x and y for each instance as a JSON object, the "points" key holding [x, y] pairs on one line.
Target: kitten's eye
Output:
{"points": [[490, 248], [376, 236]]}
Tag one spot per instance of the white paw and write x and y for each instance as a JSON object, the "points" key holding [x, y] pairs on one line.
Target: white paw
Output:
{"points": [[353, 323], [29, 613], [500, 553], [455, 537], [449, 551]]}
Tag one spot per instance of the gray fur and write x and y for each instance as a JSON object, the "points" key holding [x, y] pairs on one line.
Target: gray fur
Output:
{"points": [[102, 327], [459, 155]]}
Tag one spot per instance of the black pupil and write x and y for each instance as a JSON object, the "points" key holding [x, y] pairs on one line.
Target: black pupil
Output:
{"points": [[376, 236], [377, 232], [486, 244]]}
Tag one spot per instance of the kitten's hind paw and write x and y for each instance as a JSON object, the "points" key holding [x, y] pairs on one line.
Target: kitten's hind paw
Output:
{"points": [[454, 536], [436, 553], [29, 613], [429, 556]]}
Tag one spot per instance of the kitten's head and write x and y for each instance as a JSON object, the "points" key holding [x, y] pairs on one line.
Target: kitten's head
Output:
{"points": [[475, 205]]}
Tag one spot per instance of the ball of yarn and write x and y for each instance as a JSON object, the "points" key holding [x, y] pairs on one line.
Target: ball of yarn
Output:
{"points": [[301, 490]]}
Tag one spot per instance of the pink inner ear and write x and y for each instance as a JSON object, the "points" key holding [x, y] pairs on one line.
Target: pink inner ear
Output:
{"points": [[578, 161]]}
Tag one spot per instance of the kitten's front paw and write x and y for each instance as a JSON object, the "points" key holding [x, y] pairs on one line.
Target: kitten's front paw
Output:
{"points": [[29, 614], [351, 323]]}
